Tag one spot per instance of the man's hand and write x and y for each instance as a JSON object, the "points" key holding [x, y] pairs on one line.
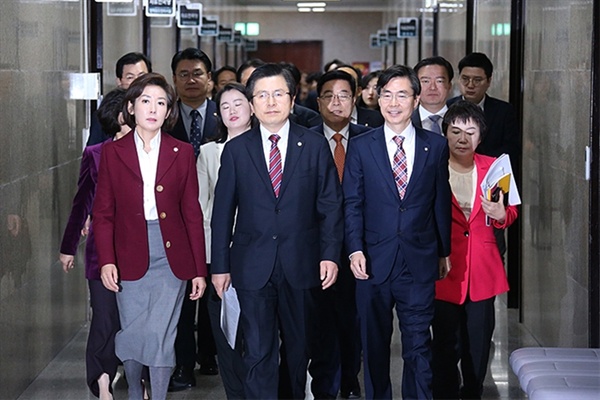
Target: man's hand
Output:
{"points": [[221, 283], [198, 287], [445, 267], [110, 277], [329, 272], [358, 265]]}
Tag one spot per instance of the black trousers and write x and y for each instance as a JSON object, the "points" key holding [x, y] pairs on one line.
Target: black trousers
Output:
{"points": [[461, 333], [186, 353], [231, 365]]}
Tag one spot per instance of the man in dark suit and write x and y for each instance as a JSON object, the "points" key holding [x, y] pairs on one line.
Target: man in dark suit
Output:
{"points": [[279, 185], [397, 220], [128, 68], [336, 349], [191, 73], [435, 75], [503, 133], [197, 124]]}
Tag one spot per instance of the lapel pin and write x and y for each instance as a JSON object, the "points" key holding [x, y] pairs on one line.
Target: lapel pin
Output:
{"points": [[175, 149], [299, 144], [426, 148]]}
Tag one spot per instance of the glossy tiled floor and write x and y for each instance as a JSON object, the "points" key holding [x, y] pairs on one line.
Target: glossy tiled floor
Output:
{"points": [[64, 377]]}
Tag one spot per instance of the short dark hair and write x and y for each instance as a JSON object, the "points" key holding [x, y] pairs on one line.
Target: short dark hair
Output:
{"points": [[477, 60], [266, 71], [464, 111], [191, 53], [109, 110], [399, 71], [137, 88], [335, 75], [130, 59], [296, 74], [357, 71], [251, 63], [437, 60], [330, 63], [367, 78], [223, 69], [221, 128]]}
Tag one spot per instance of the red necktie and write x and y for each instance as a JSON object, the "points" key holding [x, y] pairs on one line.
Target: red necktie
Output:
{"points": [[339, 154], [400, 169], [275, 171]]}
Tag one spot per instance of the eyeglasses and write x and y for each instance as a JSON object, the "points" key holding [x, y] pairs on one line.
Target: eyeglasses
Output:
{"points": [[277, 95], [477, 80], [400, 96], [342, 97], [196, 74]]}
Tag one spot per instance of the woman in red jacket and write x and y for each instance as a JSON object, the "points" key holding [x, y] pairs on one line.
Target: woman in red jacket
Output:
{"points": [[464, 321], [149, 233]]}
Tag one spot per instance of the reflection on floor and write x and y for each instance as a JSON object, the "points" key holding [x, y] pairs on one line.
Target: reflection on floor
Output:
{"points": [[64, 377]]}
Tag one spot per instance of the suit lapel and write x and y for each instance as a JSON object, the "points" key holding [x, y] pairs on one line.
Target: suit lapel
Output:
{"points": [[422, 150], [294, 150], [125, 150], [481, 170], [166, 156], [380, 156], [257, 155]]}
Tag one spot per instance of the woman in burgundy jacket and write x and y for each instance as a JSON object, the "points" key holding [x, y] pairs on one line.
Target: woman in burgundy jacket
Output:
{"points": [[149, 232], [463, 321]]}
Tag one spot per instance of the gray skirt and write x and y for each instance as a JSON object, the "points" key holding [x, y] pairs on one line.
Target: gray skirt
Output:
{"points": [[149, 309]]}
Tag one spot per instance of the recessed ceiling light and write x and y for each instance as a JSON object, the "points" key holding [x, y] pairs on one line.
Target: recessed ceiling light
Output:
{"points": [[312, 4]]}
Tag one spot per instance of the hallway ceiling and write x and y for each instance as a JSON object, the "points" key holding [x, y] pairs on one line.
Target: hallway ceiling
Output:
{"points": [[332, 5]]}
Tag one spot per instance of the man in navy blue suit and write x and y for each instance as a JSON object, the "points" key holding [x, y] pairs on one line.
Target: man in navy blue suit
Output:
{"points": [[279, 186], [335, 338], [397, 222]]}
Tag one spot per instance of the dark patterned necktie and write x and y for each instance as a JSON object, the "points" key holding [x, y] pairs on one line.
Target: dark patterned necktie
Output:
{"points": [[275, 170], [400, 168], [196, 131]]}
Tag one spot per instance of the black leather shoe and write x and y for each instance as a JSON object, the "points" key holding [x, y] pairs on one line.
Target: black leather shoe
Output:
{"points": [[183, 378], [351, 394], [208, 366]]}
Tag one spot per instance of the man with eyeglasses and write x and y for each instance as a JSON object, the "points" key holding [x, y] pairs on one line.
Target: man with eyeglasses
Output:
{"points": [[503, 132], [435, 75], [197, 121], [336, 350], [197, 124], [279, 186], [397, 212]]}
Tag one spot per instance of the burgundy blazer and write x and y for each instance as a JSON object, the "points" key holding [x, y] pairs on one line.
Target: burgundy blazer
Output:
{"points": [[81, 208], [477, 268], [119, 222]]}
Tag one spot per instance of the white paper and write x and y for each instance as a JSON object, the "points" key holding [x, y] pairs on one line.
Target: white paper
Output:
{"points": [[230, 315]]}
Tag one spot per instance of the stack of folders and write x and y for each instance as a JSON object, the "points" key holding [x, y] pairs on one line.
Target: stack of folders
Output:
{"points": [[500, 177]]}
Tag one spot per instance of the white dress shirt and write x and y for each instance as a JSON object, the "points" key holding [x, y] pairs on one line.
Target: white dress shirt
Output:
{"points": [[148, 166], [345, 132]]}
